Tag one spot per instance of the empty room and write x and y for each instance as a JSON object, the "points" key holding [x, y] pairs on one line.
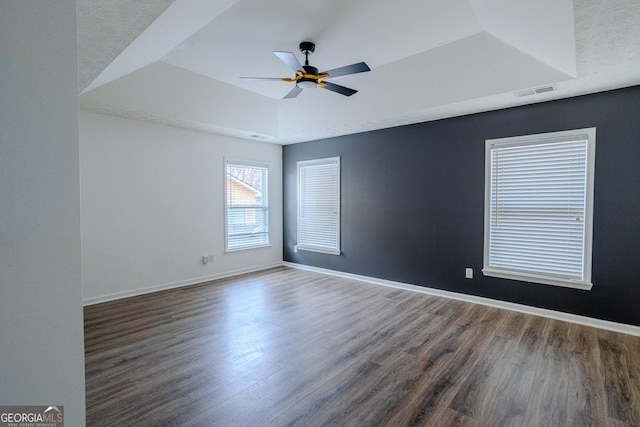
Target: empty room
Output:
{"points": [[341, 213]]}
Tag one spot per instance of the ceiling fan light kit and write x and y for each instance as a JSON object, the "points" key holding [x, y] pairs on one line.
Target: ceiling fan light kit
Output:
{"points": [[307, 84], [308, 77]]}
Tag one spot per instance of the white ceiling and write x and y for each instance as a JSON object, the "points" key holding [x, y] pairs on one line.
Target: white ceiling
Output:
{"points": [[179, 62]]}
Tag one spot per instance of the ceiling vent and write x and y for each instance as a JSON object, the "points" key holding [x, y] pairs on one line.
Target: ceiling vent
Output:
{"points": [[534, 91]]}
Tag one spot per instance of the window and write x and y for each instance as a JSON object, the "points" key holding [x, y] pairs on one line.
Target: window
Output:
{"points": [[319, 205], [247, 201], [539, 207]]}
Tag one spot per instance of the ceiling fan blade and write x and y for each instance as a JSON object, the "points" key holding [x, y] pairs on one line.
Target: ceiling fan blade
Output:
{"points": [[293, 93], [262, 78], [360, 67], [289, 59], [339, 89]]}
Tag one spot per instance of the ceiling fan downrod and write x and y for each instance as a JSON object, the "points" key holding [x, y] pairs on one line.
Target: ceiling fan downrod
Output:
{"points": [[308, 80]]}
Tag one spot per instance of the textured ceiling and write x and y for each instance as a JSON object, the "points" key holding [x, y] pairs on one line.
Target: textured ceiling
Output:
{"points": [[106, 28], [179, 62]]}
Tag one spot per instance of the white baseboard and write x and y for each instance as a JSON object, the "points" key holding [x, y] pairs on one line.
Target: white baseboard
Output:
{"points": [[177, 284], [558, 315]]}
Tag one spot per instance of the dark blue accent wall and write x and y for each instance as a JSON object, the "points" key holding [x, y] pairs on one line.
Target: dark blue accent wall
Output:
{"points": [[413, 203]]}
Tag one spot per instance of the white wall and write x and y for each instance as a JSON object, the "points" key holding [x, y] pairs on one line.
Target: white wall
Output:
{"points": [[152, 205], [41, 326]]}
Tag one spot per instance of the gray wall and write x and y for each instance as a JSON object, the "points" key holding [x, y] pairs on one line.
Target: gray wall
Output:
{"points": [[413, 203], [41, 333]]}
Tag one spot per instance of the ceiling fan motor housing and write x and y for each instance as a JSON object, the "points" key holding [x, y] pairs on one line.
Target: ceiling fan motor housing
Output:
{"points": [[308, 82], [309, 69]]}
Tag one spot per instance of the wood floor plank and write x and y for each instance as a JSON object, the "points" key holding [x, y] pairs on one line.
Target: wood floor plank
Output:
{"points": [[586, 404], [290, 347], [451, 418], [548, 405], [427, 388], [620, 360]]}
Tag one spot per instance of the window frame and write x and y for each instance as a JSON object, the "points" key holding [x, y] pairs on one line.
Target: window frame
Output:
{"points": [[331, 250], [264, 206], [538, 277]]}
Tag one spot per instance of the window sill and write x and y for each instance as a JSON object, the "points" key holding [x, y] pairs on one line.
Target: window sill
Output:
{"points": [[315, 249], [247, 248], [532, 278]]}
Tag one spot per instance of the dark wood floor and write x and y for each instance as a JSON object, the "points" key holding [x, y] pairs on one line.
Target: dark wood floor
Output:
{"points": [[289, 347]]}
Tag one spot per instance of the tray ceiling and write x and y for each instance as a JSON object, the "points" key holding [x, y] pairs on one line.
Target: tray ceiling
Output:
{"points": [[179, 62]]}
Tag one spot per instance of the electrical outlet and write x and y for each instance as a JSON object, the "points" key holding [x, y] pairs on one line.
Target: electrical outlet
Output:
{"points": [[468, 273], [205, 259], [210, 258]]}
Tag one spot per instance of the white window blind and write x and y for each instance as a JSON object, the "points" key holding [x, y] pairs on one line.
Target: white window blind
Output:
{"points": [[247, 205], [319, 205], [538, 208]]}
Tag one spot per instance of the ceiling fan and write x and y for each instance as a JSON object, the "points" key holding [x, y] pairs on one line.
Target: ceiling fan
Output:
{"points": [[308, 77]]}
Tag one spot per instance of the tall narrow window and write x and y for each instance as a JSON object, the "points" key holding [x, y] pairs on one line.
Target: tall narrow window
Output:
{"points": [[538, 208], [247, 205], [319, 205]]}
